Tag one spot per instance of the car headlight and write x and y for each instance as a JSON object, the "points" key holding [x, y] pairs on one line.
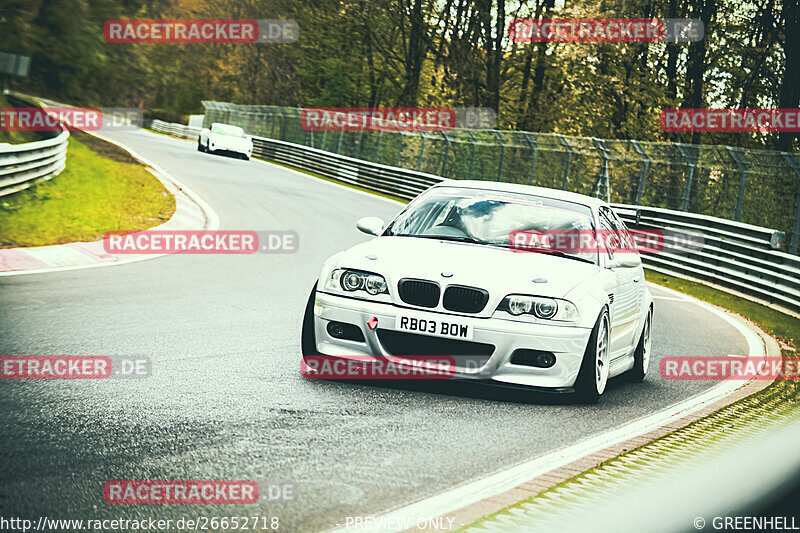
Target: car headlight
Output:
{"points": [[543, 308], [343, 279], [375, 284], [519, 304], [352, 281]]}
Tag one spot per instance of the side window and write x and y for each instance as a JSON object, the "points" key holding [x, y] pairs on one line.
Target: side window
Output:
{"points": [[626, 238], [425, 216], [607, 227]]}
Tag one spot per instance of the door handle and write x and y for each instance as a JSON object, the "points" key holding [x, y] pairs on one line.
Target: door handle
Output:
{"points": [[637, 280]]}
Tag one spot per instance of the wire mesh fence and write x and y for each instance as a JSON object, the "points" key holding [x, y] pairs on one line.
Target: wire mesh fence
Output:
{"points": [[758, 187]]}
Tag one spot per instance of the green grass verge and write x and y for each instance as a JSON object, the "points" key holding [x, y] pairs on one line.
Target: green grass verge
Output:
{"points": [[17, 137], [101, 189]]}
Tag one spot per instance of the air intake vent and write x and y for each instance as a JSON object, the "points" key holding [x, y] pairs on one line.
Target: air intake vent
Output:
{"points": [[419, 292], [611, 298], [465, 299], [400, 343]]}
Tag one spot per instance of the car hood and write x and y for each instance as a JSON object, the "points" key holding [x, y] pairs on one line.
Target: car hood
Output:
{"points": [[499, 270]]}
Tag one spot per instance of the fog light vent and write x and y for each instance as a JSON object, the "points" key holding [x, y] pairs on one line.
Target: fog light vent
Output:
{"points": [[344, 331], [535, 358]]}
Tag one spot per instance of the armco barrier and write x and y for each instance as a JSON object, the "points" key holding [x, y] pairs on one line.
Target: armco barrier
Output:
{"points": [[393, 181], [737, 257], [170, 128], [21, 165]]}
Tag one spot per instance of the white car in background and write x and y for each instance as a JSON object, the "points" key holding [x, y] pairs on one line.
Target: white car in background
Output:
{"points": [[442, 278], [224, 138]]}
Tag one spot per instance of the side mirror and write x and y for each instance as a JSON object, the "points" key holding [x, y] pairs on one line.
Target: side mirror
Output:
{"points": [[370, 225], [626, 260]]}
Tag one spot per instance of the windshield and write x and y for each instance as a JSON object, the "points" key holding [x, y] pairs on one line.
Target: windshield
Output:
{"points": [[490, 217], [224, 129]]}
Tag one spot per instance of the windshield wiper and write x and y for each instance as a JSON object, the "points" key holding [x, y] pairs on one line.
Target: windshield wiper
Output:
{"points": [[454, 238]]}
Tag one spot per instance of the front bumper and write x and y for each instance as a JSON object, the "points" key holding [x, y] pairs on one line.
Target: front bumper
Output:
{"points": [[567, 343]]}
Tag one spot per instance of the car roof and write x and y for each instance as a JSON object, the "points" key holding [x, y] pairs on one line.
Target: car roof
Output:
{"points": [[557, 194]]}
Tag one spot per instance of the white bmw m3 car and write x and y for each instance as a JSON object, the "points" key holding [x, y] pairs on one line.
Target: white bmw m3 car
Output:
{"points": [[448, 276]]}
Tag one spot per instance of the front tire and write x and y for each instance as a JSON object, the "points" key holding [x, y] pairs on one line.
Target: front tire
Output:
{"points": [[593, 375], [308, 339], [200, 146]]}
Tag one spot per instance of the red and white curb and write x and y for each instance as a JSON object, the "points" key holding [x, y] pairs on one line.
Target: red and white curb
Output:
{"points": [[191, 213]]}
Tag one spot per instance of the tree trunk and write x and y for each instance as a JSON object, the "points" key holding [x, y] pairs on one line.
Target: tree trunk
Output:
{"points": [[495, 58], [789, 95], [414, 56], [696, 65]]}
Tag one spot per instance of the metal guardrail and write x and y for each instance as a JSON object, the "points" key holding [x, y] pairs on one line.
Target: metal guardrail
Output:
{"points": [[393, 181], [21, 165], [739, 257], [170, 128]]}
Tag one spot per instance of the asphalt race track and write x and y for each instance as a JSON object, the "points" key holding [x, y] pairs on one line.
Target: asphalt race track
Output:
{"points": [[226, 399]]}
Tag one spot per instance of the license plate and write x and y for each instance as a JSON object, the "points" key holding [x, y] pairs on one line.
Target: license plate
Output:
{"points": [[452, 329]]}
